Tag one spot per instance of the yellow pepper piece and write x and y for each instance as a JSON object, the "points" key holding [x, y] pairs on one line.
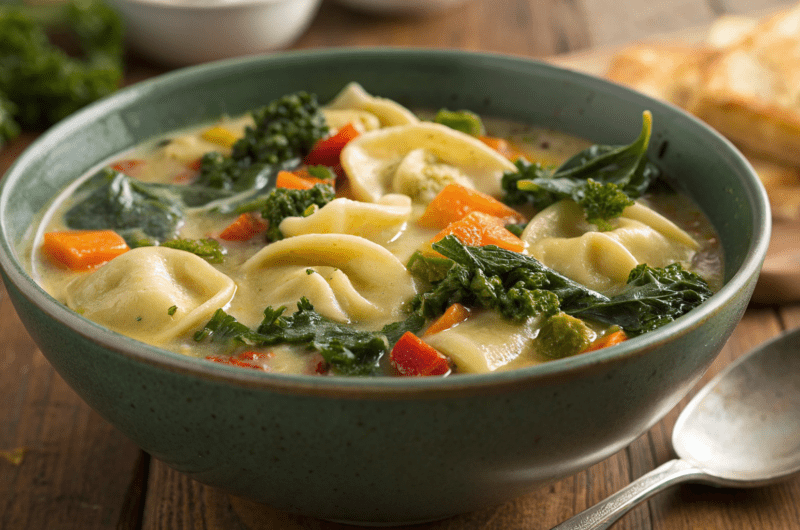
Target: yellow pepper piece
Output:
{"points": [[219, 135]]}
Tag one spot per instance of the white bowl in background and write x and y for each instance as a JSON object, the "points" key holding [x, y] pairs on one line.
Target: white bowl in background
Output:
{"points": [[184, 32]]}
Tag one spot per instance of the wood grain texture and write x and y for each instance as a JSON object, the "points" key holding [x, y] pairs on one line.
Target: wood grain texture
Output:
{"points": [[80, 473]]}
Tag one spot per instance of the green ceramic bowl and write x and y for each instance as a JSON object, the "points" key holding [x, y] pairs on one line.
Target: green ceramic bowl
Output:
{"points": [[386, 450]]}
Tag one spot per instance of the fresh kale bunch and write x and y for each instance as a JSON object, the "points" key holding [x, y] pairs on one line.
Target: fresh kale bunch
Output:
{"points": [[602, 179], [285, 130], [42, 81], [346, 350], [283, 202]]}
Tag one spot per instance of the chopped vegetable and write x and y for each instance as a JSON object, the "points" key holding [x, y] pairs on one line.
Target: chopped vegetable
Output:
{"points": [[503, 146], [456, 201], [245, 359], [298, 180], [245, 227], [219, 135], [412, 356], [83, 249], [616, 169], [461, 120], [610, 339], [455, 314], [429, 267], [208, 249], [282, 203], [42, 81], [478, 229], [326, 151], [129, 166], [563, 335]]}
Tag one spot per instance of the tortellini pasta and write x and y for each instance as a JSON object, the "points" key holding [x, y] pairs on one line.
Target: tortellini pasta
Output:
{"points": [[353, 103], [378, 222], [347, 278], [419, 160], [151, 293], [560, 237]]}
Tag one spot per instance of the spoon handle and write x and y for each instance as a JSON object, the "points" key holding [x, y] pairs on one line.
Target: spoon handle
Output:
{"points": [[605, 513]]}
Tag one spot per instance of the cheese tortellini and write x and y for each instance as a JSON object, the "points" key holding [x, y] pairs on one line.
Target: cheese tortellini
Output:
{"points": [[419, 160], [560, 237], [347, 278], [354, 105], [151, 293]]}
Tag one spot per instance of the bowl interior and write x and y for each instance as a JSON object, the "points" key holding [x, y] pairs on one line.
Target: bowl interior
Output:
{"points": [[705, 164]]}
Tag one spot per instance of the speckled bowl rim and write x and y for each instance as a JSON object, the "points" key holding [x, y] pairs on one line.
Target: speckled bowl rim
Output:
{"points": [[377, 387]]}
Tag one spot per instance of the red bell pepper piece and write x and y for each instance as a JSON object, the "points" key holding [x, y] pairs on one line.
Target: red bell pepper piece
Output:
{"points": [[412, 356], [326, 151]]}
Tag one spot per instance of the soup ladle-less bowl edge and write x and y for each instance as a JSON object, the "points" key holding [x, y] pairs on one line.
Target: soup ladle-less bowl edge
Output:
{"points": [[741, 430]]}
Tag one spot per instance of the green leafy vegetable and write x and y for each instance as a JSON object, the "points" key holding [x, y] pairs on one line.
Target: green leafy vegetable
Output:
{"points": [[44, 83], [461, 120], [612, 170], [172, 310], [563, 335], [653, 297], [208, 249], [284, 202], [134, 209]]}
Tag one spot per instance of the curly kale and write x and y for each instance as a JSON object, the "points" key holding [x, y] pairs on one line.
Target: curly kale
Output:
{"points": [[596, 178], [283, 202], [44, 83]]}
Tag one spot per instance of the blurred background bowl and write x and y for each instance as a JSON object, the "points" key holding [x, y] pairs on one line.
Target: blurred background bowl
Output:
{"points": [[185, 32], [386, 450]]}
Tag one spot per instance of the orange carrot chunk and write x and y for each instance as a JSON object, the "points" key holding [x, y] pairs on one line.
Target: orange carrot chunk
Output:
{"points": [[326, 151], [412, 356], [455, 201], [606, 340], [478, 229], [455, 314], [243, 228], [504, 147], [298, 180], [82, 250]]}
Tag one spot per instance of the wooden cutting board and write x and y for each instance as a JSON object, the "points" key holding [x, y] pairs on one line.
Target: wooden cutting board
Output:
{"points": [[779, 282]]}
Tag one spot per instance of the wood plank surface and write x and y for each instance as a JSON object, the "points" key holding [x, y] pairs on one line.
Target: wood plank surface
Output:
{"points": [[77, 472]]}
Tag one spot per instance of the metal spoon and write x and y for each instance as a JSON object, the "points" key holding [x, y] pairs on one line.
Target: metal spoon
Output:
{"points": [[741, 430]]}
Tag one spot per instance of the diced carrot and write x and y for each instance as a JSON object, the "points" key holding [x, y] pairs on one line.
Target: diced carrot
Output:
{"points": [[477, 229], [130, 166], [244, 227], [412, 356], [607, 340], [502, 146], [455, 314], [219, 135], [326, 151], [298, 180], [82, 250], [246, 359], [455, 201]]}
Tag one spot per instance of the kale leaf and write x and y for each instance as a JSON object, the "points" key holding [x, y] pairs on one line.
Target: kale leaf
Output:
{"points": [[652, 298], [208, 249], [596, 178], [134, 209], [283, 202]]}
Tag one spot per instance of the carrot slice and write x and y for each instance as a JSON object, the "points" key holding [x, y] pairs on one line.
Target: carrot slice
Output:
{"points": [[607, 340], [412, 356], [244, 227], [455, 314], [455, 201], [82, 250], [478, 229], [326, 151], [299, 180], [502, 146]]}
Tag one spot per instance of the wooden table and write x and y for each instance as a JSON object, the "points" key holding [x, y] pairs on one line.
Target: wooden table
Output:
{"points": [[77, 472]]}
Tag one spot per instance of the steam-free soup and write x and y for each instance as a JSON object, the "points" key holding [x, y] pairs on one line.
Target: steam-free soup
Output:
{"points": [[357, 238]]}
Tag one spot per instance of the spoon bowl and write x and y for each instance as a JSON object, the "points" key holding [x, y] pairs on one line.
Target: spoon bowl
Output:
{"points": [[741, 430]]}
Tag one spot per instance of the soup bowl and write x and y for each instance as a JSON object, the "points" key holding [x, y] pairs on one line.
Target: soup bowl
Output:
{"points": [[386, 450]]}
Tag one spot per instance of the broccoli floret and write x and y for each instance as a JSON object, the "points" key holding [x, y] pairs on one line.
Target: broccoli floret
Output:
{"points": [[602, 202], [283, 202], [44, 83], [563, 335], [286, 128], [461, 120], [528, 172], [208, 249]]}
